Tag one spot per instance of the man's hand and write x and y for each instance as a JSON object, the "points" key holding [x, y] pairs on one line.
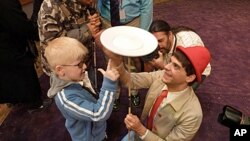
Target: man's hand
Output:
{"points": [[133, 123]]}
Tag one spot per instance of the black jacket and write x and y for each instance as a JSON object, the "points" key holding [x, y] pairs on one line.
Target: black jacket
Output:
{"points": [[19, 82]]}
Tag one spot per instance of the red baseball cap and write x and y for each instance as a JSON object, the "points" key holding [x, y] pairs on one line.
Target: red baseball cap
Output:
{"points": [[199, 56]]}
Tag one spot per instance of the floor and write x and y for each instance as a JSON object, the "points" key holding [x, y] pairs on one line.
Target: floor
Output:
{"points": [[224, 27]]}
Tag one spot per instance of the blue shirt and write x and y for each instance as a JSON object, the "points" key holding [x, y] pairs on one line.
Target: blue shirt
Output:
{"points": [[132, 8], [85, 116]]}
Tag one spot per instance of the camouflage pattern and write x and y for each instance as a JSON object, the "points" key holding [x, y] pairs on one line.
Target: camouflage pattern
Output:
{"points": [[63, 18]]}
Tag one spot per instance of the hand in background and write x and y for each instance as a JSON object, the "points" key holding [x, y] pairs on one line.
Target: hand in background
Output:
{"points": [[94, 24], [149, 67], [158, 62], [95, 20]]}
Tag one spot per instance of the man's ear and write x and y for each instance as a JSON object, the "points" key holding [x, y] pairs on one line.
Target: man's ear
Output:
{"points": [[59, 70], [170, 33], [190, 78], [170, 36]]}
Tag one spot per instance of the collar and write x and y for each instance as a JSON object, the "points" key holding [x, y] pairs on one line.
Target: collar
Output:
{"points": [[182, 98], [165, 88], [173, 45]]}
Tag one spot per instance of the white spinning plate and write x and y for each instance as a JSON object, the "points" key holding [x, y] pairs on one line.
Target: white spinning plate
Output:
{"points": [[128, 41]]}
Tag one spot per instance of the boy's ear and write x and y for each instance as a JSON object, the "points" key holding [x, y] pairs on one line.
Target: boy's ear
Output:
{"points": [[190, 78], [59, 70]]}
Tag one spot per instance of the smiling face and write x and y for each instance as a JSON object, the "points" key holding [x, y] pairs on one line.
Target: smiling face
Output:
{"points": [[175, 75], [174, 72]]}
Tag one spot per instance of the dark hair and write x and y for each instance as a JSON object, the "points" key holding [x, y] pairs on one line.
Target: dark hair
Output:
{"points": [[186, 64], [156, 26], [159, 26]]}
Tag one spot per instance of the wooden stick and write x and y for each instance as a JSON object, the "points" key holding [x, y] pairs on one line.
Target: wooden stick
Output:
{"points": [[95, 65], [129, 94], [129, 87]]}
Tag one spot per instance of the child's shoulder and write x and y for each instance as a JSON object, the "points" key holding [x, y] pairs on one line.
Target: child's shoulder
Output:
{"points": [[74, 86]]}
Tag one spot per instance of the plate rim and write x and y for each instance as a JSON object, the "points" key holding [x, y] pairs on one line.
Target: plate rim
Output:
{"points": [[105, 41]]}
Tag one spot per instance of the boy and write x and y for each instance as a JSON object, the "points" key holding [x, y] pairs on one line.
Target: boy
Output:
{"points": [[85, 115]]}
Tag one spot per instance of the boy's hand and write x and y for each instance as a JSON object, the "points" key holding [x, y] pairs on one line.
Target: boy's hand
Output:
{"points": [[110, 73]]}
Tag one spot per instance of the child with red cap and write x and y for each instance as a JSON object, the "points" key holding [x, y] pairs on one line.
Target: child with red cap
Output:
{"points": [[172, 110]]}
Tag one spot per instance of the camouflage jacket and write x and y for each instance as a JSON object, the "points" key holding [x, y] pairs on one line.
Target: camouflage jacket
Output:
{"points": [[63, 18]]}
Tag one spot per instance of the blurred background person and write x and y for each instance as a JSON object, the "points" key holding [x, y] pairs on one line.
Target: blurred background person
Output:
{"points": [[72, 18], [19, 82]]}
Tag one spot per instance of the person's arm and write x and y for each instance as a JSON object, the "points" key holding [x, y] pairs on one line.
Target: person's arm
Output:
{"points": [[146, 14], [51, 22], [116, 61], [183, 131], [135, 80], [79, 107], [88, 30]]}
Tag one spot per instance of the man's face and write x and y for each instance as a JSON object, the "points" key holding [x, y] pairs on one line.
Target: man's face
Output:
{"points": [[174, 73], [86, 2], [164, 44]]}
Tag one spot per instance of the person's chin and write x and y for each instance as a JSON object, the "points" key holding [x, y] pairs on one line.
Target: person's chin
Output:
{"points": [[166, 78], [163, 51]]}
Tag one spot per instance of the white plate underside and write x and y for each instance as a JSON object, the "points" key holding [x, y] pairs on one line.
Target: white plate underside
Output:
{"points": [[128, 41]]}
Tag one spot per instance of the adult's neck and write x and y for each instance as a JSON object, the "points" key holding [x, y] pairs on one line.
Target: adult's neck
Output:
{"points": [[171, 39], [176, 87]]}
